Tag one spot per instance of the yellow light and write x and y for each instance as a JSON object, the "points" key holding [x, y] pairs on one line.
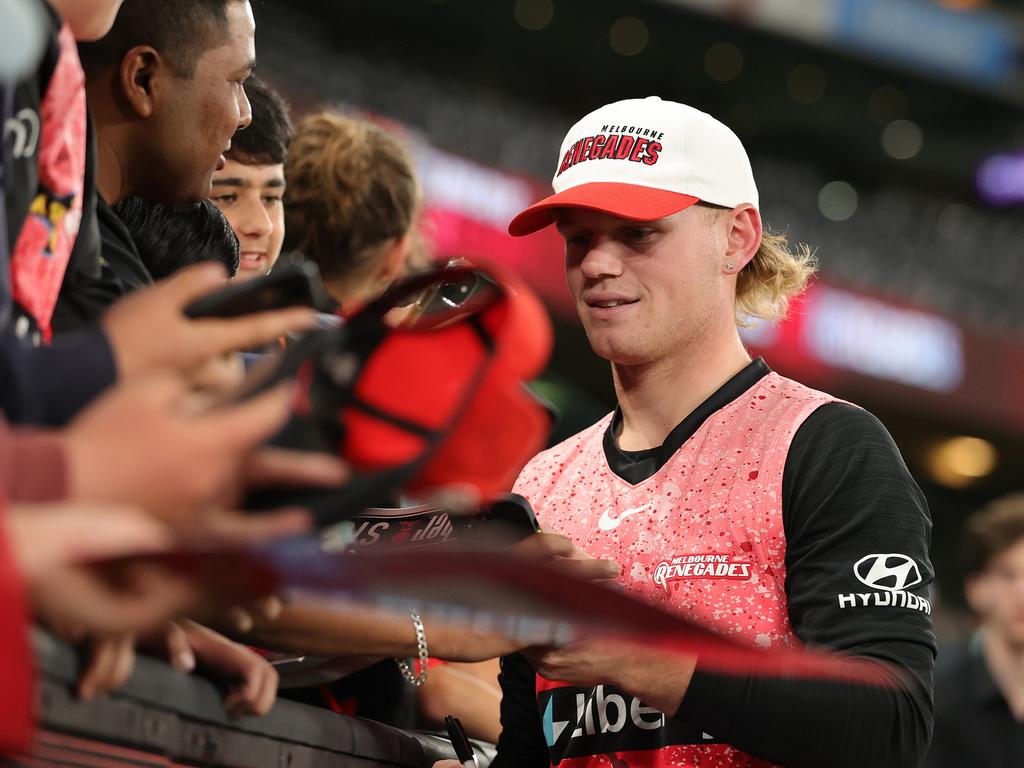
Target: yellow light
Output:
{"points": [[961, 461], [806, 83], [628, 36], [534, 14], [723, 62]]}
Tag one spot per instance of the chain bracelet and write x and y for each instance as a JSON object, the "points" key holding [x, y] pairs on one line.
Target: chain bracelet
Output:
{"points": [[421, 647]]}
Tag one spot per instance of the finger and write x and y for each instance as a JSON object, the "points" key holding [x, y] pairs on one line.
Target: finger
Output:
{"points": [[109, 667], [191, 283], [161, 390], [536, 655], [251, 331], [543, 545], [268, 690], [447, 764], [272, 466], [152, 596], [99, 661], [268, 608], [179, 650], [229, 528], [123, 662], [591, 570], [244, 426], [239, 619], [45, 536], [243, 699]]}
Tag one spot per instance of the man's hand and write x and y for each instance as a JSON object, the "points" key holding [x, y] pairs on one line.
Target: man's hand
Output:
{"points": [[557, 550], [142, 445], [149, 331], [54, 535], [137, 597], [658, 678], [254, 679]]}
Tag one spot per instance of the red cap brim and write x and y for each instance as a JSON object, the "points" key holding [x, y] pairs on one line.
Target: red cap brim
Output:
{"points": [[627, 201]]}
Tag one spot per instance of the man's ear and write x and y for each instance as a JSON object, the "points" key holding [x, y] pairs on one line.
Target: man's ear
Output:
{"points": [[743, 237], [394, 262], [140, 68]]}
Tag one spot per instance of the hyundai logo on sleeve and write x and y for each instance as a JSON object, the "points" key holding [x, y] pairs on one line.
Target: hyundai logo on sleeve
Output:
{"points": [[891, 572], [890, 576]]}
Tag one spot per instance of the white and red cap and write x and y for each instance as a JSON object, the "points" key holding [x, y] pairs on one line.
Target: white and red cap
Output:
{"points": [[644, 159]]}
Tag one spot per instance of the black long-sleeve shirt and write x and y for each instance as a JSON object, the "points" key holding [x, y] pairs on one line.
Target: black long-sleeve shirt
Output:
{"points": [[847, 497]]}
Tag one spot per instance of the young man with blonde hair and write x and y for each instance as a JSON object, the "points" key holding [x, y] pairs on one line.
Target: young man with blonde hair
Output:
{"points": [[767, 510]]}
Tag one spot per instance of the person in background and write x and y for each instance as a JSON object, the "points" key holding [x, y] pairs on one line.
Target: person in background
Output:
{"points": [[979, 694], [49, 197], [166, 94], [250, 186], [170, 238], [352, 205], [48, 384]]}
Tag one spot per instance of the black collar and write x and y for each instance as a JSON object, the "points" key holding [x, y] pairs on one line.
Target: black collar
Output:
{"points": [[636, 466]]}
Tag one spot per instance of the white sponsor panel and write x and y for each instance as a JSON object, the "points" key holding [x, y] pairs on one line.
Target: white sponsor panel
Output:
{"points": [[890, 574]]}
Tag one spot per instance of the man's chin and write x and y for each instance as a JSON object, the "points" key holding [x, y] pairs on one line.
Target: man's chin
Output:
{"points": [[618, 351]]}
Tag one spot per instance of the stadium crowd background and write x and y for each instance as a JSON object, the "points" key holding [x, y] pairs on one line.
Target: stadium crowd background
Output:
{"points": [[890, 132]]}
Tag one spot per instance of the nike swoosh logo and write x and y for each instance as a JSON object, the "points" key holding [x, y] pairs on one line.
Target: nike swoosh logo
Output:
{"points": [[609, 523]]}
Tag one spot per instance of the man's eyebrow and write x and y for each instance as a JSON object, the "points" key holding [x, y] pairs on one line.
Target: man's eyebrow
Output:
{"points": [[232, 182], [279, 182]]}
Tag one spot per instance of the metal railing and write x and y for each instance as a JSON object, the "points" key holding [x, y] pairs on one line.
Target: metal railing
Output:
{"points": [[165, 718]]}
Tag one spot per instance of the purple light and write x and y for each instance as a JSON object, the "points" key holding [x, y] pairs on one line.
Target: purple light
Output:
{"points": [[1001, 179]]}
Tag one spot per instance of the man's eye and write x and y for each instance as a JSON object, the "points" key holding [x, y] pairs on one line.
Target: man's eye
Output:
{"points": [[272, 201], [640, 234], [576, 241], [224, 199]]}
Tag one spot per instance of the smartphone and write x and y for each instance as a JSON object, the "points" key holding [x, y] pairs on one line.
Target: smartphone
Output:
{"points": [[292, 284], [511, 513]]}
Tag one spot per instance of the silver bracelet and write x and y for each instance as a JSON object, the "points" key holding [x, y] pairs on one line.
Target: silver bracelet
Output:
{"points": [[421, 646]]}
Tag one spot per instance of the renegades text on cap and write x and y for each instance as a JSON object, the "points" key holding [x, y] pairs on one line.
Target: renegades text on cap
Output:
{"points": [[644, 159]]}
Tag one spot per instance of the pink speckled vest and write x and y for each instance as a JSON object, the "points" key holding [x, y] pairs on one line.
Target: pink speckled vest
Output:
{"points": [[703, 536]]}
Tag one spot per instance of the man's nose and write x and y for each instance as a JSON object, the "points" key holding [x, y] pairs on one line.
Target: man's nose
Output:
{"points": [[255, 221], [244, 111], [601, 261]]}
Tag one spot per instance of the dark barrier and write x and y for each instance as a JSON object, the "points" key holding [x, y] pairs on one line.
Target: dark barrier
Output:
{"points": [[165, 718]]}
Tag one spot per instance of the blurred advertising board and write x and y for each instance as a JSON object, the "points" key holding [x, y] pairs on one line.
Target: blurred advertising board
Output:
{"points": [[976, 46], [885, 350]]}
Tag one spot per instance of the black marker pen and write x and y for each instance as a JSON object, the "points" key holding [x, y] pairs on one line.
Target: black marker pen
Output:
{"points": [[463, 749]]}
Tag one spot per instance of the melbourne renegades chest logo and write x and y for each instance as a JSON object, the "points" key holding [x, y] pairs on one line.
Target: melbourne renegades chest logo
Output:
{"points": [[703, 566]]}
